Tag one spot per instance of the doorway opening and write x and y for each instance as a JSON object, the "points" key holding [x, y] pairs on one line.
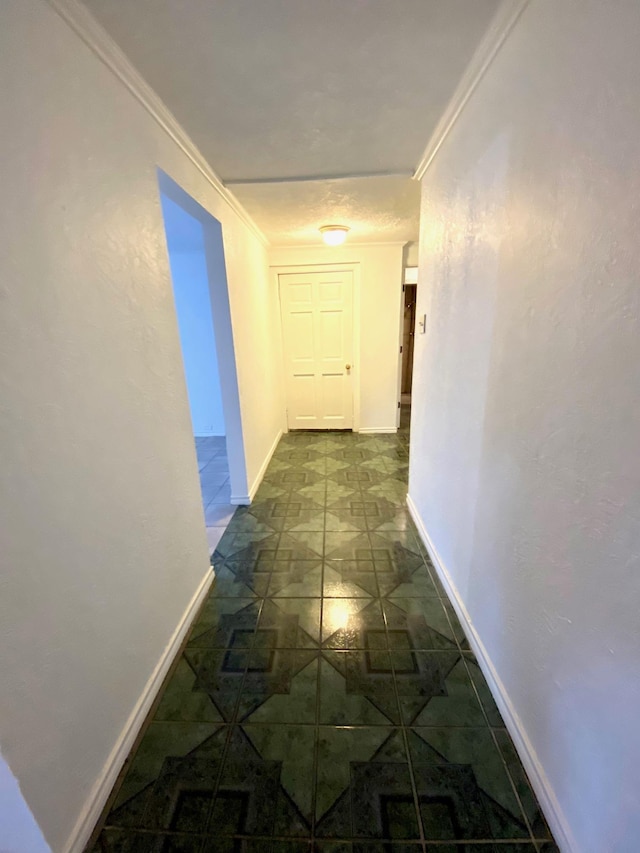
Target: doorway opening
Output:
{"points": [[198, 273], [406, 372]]}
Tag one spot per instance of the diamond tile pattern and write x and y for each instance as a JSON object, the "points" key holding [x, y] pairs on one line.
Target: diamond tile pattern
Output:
{"points": [[327, 699]]}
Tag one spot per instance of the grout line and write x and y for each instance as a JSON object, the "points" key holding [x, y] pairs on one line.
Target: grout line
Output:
{"points": [[403, 728], [234, 718], [410, 844], [354, 648], [316, 745], [491, 730]]}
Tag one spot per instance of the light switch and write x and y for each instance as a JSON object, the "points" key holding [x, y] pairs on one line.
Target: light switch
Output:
{"points": [[422, 324]]}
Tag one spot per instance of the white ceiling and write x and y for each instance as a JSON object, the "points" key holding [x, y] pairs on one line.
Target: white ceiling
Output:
{"points": [[285, 89], [385, 209]]}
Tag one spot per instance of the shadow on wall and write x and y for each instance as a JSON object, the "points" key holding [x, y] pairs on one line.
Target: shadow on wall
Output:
{"points": [[196, 255]]}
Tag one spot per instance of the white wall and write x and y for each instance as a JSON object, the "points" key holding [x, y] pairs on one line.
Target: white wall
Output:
{"points": [[102, 540], [525, 464], [411, 254], [187, 261], [380, 299]]}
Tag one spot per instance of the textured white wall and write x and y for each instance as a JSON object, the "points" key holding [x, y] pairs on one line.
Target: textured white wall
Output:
{"points": [[378, 325], [525, 464], [102, 539]]}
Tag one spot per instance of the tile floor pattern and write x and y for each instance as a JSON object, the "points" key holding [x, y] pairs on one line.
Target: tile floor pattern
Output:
{"points": [[213, 466], [327, 699]]}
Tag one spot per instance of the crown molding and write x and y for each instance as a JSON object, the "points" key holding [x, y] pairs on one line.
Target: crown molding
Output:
{"points": [[308, 179], [104, 47], [502, 24]]}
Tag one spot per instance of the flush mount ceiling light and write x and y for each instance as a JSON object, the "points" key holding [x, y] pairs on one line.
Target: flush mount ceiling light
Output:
{"points": [[334, 235]]}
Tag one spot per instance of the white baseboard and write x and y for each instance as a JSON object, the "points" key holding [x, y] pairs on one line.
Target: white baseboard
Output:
{"points": [[245, 500], [240, 500], [538, 778], [383, 430], [100, 792]]}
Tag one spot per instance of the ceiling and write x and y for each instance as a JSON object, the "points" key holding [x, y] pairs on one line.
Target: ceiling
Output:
{"points": [[383, 209], [311, 111]]}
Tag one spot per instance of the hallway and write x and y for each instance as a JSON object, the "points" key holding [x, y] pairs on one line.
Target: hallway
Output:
{"points": [[326, 698]]}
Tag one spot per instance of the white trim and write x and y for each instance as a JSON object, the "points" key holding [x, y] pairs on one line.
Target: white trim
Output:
{"points": [[502, 24], [357, 345], [306, 179], [245, 500], [103, 786], [538, 778], [100, 42], [240, 500], [372, 430], [411, 275]]}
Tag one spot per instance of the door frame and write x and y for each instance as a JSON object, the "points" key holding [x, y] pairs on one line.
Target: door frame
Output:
{"points": [[354, 269], [400, 355]]}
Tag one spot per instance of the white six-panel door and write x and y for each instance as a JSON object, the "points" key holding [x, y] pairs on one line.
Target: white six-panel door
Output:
{"points": [[317, 329]]}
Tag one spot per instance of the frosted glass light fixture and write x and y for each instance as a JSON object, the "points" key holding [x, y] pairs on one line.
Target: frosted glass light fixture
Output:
{"points": [[334, 235]]}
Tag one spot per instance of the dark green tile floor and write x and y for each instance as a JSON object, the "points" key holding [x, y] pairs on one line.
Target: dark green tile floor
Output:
{"points": [[326, 699]]}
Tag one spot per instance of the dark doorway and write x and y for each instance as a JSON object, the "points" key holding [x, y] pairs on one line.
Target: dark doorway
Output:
{"points": [[408, 331]]}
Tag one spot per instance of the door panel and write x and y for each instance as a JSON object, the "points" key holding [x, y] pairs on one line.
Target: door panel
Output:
{"points": [[317, 328], [331, 336], [301, 328], [301, 293], [332, 396], [304, 390]]}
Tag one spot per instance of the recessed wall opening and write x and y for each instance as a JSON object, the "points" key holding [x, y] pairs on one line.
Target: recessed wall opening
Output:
{"points": [[198, 273]]}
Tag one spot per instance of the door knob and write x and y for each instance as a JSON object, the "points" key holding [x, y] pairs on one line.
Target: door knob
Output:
{"points": [[347, 367]]}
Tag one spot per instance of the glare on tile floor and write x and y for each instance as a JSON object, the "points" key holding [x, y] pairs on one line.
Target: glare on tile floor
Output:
{"points": [[217, 515], [214, 535]]}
